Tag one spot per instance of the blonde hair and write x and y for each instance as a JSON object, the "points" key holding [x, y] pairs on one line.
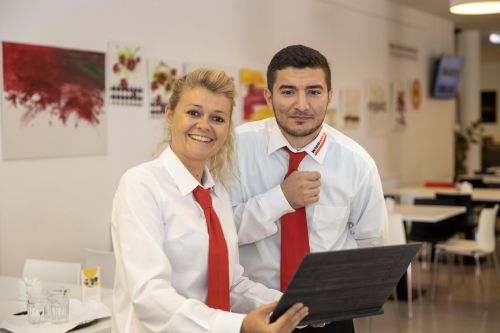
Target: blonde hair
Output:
{"points": [[218, 82]]}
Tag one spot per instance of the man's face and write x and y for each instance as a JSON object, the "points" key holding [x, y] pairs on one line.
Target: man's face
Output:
{"points": [[299, 100]]}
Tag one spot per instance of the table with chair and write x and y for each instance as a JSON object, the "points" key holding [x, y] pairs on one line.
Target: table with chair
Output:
{"points": [[429, 214], [11, 301], [59, 274], [483, 245], [478, 195]]}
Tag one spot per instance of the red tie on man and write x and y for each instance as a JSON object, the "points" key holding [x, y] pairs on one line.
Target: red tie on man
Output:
{"points": [[294, 233], [218, 263]]}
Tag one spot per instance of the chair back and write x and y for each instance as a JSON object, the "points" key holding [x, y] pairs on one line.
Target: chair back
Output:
{"points": [[486, 230], [466, 221], [396, 234], [407, 198], [53, 271], [106, 262]]}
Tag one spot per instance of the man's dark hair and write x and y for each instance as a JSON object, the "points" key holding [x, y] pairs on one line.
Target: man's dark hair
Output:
{"points": [[298, 56]]}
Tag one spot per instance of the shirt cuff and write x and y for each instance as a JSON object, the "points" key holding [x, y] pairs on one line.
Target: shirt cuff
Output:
{"points": [[275, 202], [228, 322]]}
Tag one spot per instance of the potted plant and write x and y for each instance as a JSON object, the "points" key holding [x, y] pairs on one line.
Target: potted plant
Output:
{"points": [[472, 134]]}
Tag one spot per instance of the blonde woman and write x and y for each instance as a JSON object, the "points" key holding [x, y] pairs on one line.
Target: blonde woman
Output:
{"points": [[173, 232]]}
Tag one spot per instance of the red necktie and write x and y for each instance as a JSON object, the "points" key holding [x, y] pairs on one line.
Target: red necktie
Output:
{"points": [[294, 233], [218, 263]]}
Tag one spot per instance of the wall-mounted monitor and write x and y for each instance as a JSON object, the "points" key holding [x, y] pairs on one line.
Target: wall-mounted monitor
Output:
{"points": [[446, 76]]}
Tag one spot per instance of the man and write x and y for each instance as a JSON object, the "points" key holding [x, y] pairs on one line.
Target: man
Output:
{"points": [[301, 185]]}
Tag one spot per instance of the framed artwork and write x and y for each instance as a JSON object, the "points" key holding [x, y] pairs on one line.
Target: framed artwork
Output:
{"points": [[416, 94], [350, 105], [253, 86], [126, 74], [377, 105], [376, 94], [53, 102], [162, 75], [399, 103]]}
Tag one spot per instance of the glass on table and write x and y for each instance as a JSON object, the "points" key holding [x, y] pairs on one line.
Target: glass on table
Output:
{"points": [[38, 308], [59, 305]]}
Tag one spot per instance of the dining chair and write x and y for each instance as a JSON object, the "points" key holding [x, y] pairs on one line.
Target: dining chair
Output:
{"points": [[466, 222], [483, 246], [106, 262], [52, 271]]}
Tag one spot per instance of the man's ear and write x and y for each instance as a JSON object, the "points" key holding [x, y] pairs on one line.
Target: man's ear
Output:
{"points": [[268, 97]]}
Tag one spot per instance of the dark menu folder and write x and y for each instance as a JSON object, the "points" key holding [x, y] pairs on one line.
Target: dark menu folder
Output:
{"points": [[339, 285]]}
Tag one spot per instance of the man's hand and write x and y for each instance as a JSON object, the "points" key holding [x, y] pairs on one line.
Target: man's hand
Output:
{"points": [[301, 188], [257, 321]]}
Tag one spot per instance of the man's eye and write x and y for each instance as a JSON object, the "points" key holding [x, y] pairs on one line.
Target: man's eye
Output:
{"points": [[287, 92], [218, 119], [315, 92]]}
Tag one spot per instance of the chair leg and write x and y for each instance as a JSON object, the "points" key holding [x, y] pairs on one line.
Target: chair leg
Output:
{"points": [[450, 258], [497, 266], [409, 290], [478, 274], [396, 309], [418, 277], [434, 275]]}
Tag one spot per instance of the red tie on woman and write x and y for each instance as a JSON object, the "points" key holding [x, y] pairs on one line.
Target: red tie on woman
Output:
{"points": [[218, 266], [294, 233]]}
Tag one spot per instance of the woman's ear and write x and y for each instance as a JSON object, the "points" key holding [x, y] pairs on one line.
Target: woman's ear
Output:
{"points": [[169, 116]]}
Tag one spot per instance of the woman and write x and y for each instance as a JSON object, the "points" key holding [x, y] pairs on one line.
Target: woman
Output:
{"points": [[172, 274]]}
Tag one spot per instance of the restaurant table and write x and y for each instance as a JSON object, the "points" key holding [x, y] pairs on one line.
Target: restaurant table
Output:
{"points": [[11, 303], [491, 195], [426, 214], [487, 179]]}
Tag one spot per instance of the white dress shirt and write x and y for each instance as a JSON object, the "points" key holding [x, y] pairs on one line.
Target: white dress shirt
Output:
{"points": [[160, 241], [350, 212]]}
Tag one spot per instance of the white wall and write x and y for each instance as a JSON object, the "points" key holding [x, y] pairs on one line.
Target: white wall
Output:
{"points": [[53, 208], [490, 80]]}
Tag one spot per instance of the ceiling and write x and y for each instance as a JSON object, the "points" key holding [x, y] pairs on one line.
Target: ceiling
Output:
{"points": [[484, 23]]}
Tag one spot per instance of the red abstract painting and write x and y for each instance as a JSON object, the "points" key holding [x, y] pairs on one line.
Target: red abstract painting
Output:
{"points": [[67, 84]]}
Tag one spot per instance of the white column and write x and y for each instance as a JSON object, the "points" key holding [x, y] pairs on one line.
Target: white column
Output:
{"points": [[469, 47]]}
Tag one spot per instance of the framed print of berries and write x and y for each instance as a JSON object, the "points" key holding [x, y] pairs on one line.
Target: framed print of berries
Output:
{"points": [[161, 78], [126, 75]]}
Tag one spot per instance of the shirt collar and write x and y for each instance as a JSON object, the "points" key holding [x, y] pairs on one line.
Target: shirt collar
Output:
{"points": [[316, 148], [181, 176]]}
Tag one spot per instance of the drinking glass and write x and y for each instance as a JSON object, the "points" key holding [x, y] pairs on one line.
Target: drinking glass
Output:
{"points": [[59, 305]]}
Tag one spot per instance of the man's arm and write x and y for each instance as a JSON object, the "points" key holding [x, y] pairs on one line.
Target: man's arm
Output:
{"points": [[368, 211], [256, 217]]}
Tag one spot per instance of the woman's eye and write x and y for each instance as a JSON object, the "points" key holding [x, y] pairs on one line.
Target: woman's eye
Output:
{"points": [[193, 113], [218, 119]]}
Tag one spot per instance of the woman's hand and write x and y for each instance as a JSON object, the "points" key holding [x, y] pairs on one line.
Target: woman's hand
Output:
{"points": [[257, 321]]}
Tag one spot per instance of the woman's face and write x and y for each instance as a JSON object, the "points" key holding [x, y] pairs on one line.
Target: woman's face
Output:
{"points": [[199, 124]]}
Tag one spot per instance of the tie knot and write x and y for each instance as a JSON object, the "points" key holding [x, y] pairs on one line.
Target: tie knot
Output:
{"points": [[295, 159], [203, 197]]}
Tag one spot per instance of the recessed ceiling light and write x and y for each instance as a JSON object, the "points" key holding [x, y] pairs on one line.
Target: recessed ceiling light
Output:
{"points": [[474, 7], [495, 38]]}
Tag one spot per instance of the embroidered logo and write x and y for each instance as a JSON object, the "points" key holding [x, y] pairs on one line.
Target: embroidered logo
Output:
{"points": [[320, 144]]}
